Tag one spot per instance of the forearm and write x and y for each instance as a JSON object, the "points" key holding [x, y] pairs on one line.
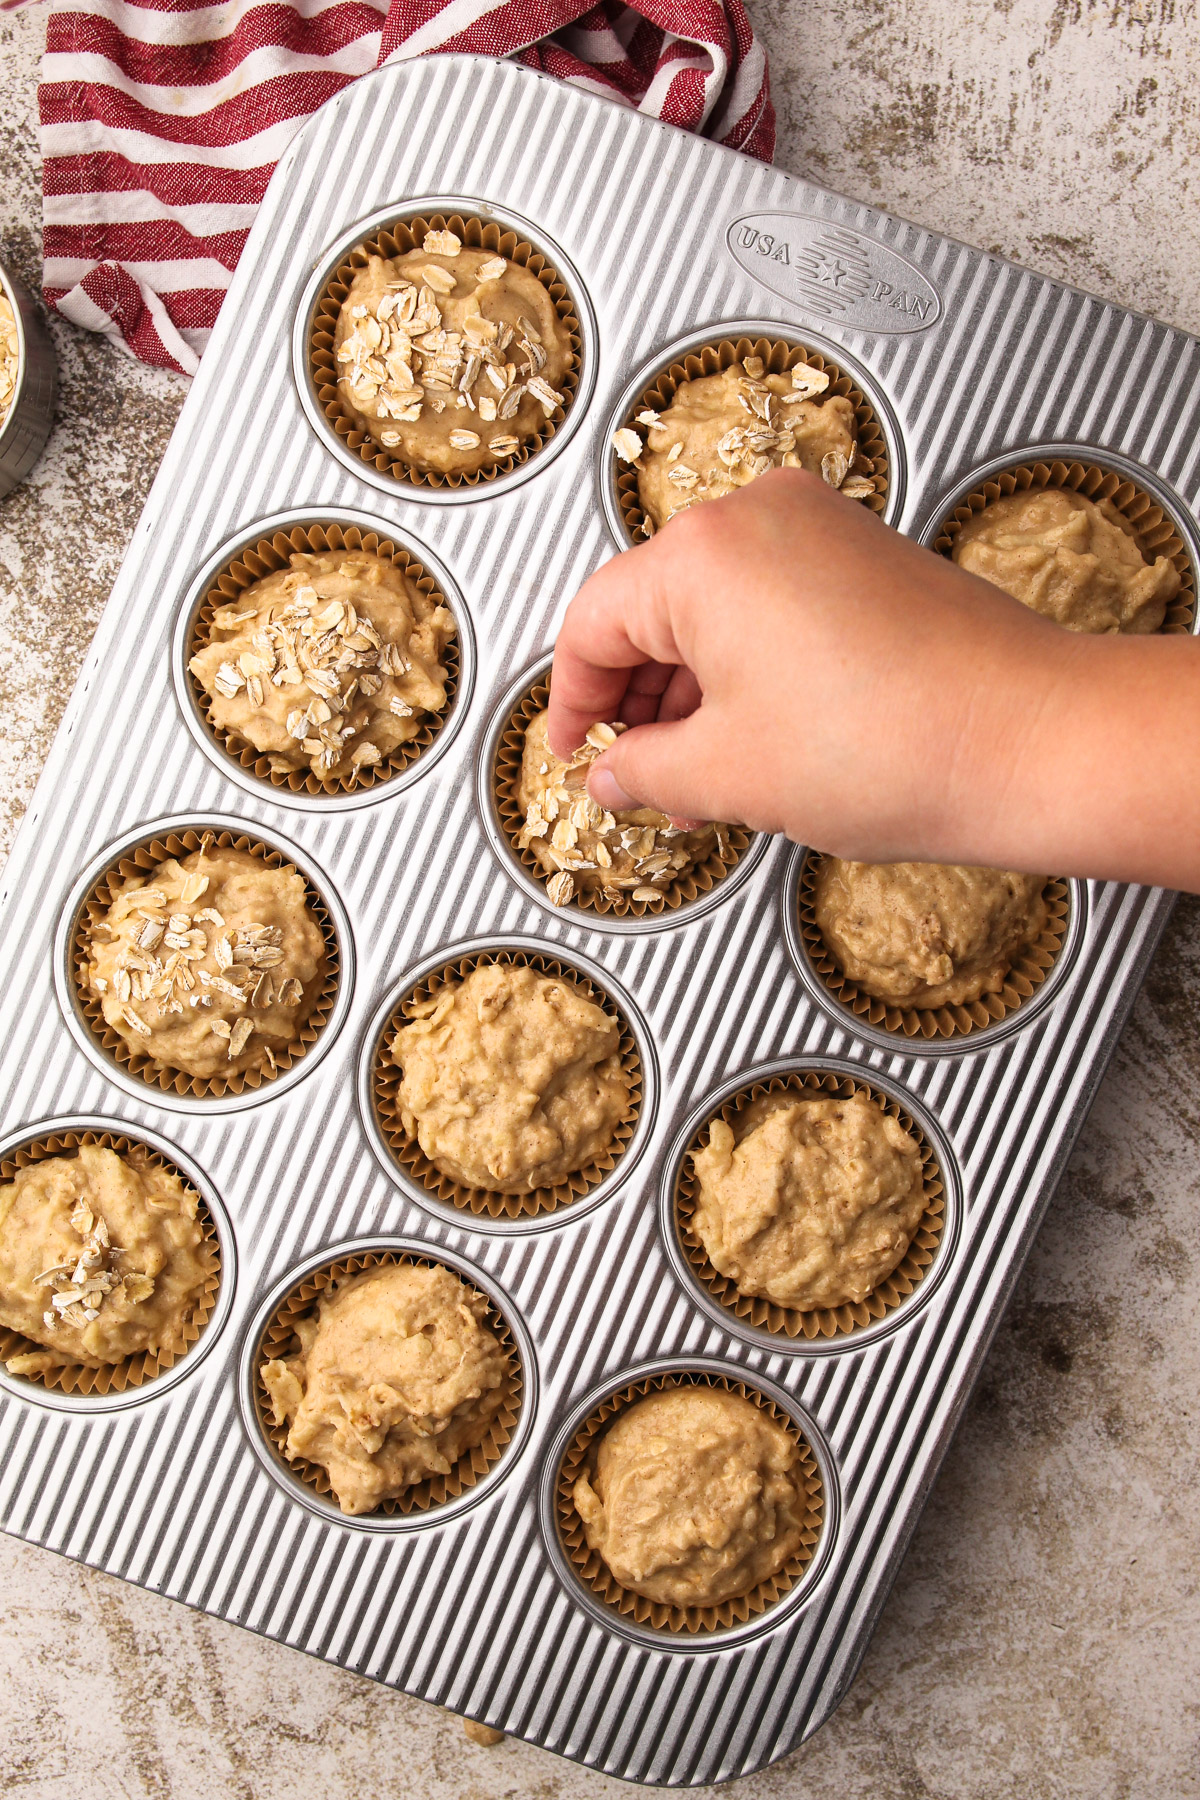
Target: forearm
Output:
{"points": [[1106, 778], [874, 701]]}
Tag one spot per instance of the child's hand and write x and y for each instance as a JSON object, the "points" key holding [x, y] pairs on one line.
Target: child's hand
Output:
{"points": [[794, 665]]}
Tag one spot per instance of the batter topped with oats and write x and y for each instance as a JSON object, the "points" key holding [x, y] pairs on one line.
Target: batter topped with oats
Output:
{"points": [[927, 934], [397, 1377], [585, 849], [1069, 558], [10, 357], [102, 1257], [512, 1079], [450, 358], [693, 1496], [809, 1203], [210, 964], [328, 665], [721, 431]]}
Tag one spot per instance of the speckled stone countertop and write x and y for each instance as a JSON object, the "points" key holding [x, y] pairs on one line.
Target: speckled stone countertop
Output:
{"points": [[1042, 1641]]}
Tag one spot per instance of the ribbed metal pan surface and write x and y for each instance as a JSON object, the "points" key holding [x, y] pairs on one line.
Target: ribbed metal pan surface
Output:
{"points": [[665, 235]]}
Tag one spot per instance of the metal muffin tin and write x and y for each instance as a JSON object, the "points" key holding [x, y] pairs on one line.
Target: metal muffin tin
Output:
{"points": [[664, 237]]}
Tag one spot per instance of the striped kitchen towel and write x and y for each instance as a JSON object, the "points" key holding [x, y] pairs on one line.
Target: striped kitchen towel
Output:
{"points": [[161, 121]]}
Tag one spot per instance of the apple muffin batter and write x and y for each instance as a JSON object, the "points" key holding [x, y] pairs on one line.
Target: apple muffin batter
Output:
{"points": [[810, 1203], [396, 1379], [693, 1496], [102, 1257], [208, 964], [720, 431], [584, 848], [328, 665], [1070, 559], [927, 934], [450, 358], [512, 1080]]}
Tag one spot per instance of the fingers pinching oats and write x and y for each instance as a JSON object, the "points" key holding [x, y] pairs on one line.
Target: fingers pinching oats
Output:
{"points": [[585, 849]]}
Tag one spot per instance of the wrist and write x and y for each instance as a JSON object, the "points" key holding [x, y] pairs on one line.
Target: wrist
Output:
{"points": [[1101, 778], [1021, 797]]}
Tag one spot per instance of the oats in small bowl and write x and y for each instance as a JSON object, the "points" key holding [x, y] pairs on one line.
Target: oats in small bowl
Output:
{"points": [[10, 357], [28, 383]]}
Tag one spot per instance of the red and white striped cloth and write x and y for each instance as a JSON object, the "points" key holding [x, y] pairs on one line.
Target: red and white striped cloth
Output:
{"points": [[161, 121]]}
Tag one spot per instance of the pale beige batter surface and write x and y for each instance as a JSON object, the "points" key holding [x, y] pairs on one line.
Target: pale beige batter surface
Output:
{"points": [[397, 1378], [1041, 1640], [450, 357], [927, 934], [209, 964], [693, 1496], [101, 1257], [720, 431], [512, 1079], [809, 1203], [584, 848], [327, 665], [1069, 559]]}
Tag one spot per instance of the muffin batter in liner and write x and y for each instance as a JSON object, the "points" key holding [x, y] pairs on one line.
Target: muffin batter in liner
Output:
{"points": [[397, 240], [264, 558], [1152, 528], [594, 1572], [825, 1321], [385, 1088], [779, 355], [1023, 979], [506, 776], [140, 861], [132, 1371], [278, 1341]]}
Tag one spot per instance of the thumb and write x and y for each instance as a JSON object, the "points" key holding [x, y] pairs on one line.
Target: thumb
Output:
{"points": [[663, 765]]}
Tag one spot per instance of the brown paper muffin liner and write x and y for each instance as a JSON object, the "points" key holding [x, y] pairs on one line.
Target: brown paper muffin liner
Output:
{"points": [[385, 1087], [396, 240], [779, 355], [278, 1341], [139, 861], [132, 1371], [1148, 524], [1025, 976], [594, 1572], [264, 558], [506, 777], [825, 1321]]}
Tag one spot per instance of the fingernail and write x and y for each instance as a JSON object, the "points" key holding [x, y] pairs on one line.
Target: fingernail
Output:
{"points": [[607, 791]]}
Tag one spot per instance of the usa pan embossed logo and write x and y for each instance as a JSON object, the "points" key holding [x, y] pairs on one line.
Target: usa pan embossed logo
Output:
{"points": [[834, 272]]}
